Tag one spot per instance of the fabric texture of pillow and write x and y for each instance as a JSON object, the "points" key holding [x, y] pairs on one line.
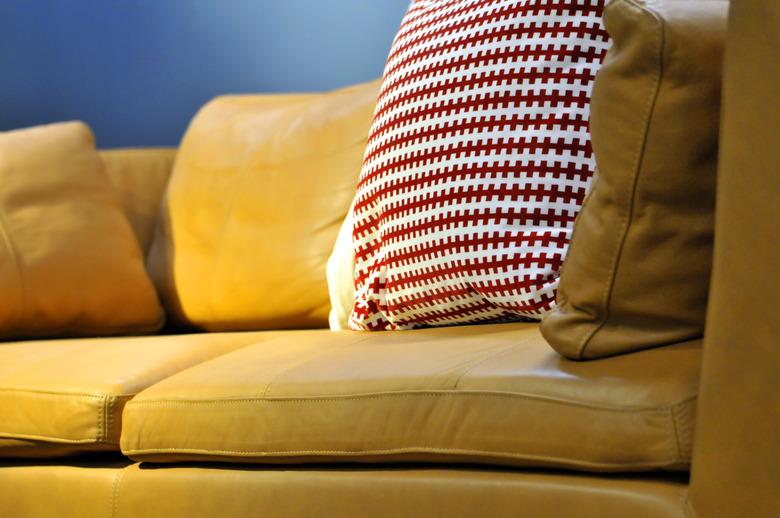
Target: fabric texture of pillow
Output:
{"points": [[69, 262], [260, 186], [477, 163], [637, 274]]}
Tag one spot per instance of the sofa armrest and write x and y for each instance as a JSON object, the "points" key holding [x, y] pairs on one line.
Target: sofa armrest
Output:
{"points": [[140, 176], [736, 461]]}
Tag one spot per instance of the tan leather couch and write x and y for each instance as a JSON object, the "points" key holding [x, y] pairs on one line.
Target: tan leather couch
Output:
{"points": [[464, 421]]}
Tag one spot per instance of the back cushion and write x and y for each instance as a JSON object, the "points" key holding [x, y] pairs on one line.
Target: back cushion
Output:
{"points": [[638, 271], [478, 161], [139, 177], [260, 186], [69, 262]]}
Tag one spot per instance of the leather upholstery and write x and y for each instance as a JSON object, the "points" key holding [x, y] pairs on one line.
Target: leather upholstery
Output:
{"points": [[258, 192], [81, 489], [60, 397], [230, 492], [69, 263], [109, 489], [139, 177], [737, 456], [491, 394], [637, 272]]}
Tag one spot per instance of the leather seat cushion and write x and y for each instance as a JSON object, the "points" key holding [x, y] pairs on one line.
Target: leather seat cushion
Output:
{"points": [[194, 492], [112, 490], [60, 397], [82, 489], [490, 394]]}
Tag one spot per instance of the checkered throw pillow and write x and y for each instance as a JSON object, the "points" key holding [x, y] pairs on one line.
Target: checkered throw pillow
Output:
{"points": [[477, 163]]}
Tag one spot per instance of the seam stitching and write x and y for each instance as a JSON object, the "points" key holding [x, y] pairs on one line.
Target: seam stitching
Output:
{"points": [[115, 492], [104, 425], [688, 509], [637, 166], [101, 420], [435, 394], [683, 449], [65, 394], [480, 361], [303, 361]]}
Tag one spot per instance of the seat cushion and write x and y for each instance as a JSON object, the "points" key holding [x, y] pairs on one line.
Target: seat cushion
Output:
{"points": [[113, 489], [61, 397], [81, 489], [489, 394], [192, 492]]}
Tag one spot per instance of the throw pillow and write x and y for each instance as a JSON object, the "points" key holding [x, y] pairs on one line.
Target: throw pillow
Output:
{"points": [[638, 271], [69, 262], [477, 163], [259, 188]]}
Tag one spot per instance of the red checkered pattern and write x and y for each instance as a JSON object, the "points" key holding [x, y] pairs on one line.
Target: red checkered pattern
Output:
{"points": [[477, 163]]}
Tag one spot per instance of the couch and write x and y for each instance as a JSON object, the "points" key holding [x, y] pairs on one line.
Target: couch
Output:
{"points": [[459, 421]]}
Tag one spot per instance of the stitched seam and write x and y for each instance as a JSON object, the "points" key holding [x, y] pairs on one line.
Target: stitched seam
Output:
{"points": [[59, 440], [436, 394], [109, 409], [690, 512], [53, 393], [410, 449], [110, 438], [115, 492], [480, 361], [67, 394], [637, 167], [684, 452], [302, 361], [104, 426], [101, 420], [675, 432], [6, 234]]}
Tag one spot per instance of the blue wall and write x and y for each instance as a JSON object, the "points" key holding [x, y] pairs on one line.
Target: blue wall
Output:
{"points": [[137, 70]]}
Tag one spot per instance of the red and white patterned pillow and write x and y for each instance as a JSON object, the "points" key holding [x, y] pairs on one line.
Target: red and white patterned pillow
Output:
{"points": [[477, 163]]}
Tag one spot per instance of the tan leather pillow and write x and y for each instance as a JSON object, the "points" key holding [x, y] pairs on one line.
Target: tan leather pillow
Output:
{"points": [[637, 272], [69, 262], [139, 177], [259, 189]]}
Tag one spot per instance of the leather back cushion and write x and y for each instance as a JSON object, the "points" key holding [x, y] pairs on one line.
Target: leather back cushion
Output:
{"points": [[69, 263], [260, 186], [139, 177], [637, 273]]}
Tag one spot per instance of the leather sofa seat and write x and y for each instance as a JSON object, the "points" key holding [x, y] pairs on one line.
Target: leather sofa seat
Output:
{"points": [[60, 397], [480, 394], [381, 491], [113, 489], [80, 489]]}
